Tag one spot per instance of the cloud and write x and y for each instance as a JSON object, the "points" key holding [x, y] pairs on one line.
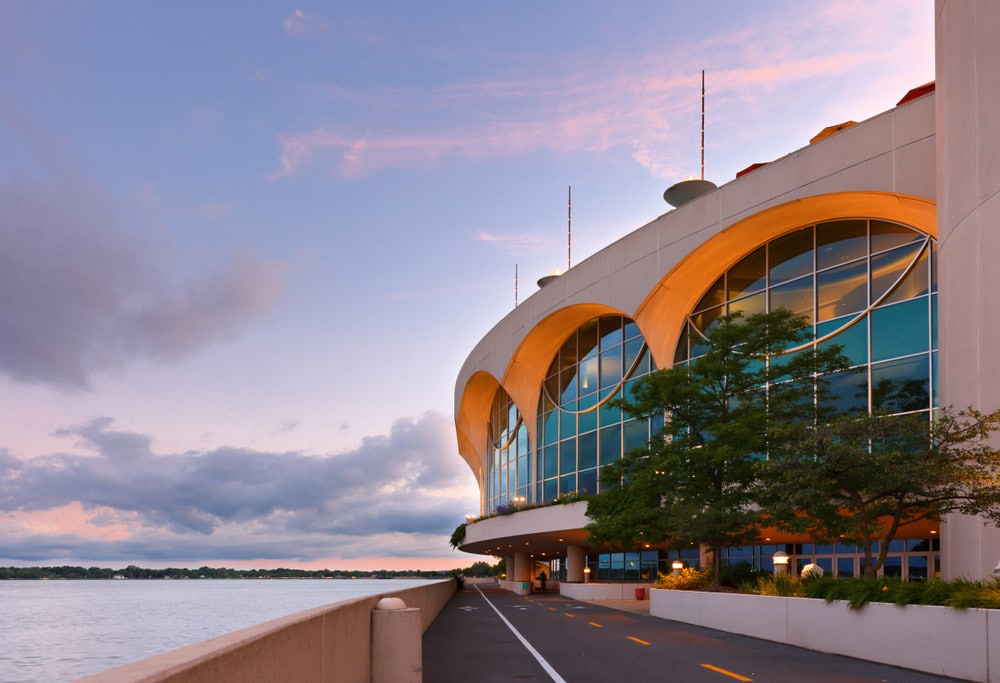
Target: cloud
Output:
{"points": [[524, 243], [78, 295], [302, 25], [598, 105], [396, 494]]}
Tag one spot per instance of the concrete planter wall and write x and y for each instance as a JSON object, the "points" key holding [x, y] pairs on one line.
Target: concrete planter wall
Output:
{"points": [[602, 591], [938, 640]]}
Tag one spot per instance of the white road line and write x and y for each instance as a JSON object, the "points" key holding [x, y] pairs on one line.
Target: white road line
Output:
{"points": [[534, 653]]}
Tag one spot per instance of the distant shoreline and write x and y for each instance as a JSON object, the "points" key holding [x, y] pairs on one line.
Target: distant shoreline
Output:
{"points": [[133, 572]]}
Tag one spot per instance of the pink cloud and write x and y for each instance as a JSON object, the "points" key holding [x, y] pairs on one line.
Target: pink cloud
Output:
{"points": [[644, 108], [303, 25]]}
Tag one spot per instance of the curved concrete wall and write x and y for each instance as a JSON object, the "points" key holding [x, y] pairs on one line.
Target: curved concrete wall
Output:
{"points": [[330, 643]]}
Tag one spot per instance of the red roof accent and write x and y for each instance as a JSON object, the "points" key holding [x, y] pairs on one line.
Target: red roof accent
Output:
{"points": [[752, 167], [919, 91]]}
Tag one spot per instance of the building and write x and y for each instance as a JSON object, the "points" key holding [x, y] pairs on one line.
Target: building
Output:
{"points": [[883, 232]]}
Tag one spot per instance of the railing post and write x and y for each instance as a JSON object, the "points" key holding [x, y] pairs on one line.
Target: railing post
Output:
{"points": [[397, 641]]}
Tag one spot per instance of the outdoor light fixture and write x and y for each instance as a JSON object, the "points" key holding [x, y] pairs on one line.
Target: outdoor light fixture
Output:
{"points": [[780, 559], [586, 574], [996, 571], [677, 566]]}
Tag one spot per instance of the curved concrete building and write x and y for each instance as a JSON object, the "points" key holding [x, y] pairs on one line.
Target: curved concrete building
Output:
{"points": [[844, 230]]}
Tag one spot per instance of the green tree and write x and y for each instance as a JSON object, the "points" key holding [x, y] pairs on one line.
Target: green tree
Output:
{"points": [[697, 482], [860, 478]]}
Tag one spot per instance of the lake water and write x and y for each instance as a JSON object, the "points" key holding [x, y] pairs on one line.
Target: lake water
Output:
{"points": [[62, 630]]}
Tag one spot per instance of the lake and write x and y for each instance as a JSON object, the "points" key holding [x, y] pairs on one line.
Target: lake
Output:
{"points": [[62, 630]]}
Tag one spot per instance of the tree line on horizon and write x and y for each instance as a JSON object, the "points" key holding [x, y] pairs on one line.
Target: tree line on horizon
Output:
{"points": [[134, 572]]}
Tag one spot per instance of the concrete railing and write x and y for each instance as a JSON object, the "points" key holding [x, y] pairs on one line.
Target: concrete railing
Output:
{"points": [[330, 643], [939, 640]]}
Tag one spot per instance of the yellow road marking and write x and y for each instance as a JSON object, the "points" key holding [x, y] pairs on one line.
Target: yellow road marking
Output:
{"points": [[726, 673], [569, 615], [641, 642], [595, 624]]}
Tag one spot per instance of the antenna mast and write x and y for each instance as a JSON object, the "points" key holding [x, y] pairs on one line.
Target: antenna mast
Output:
{"points": [[569, 229], [702, 124], [515, 285]]}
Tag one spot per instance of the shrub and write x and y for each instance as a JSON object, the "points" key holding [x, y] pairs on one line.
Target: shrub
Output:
{"points": [[690, 578]]}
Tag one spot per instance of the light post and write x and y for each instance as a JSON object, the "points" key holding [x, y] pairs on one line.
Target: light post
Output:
{"points": [[780, 559], [677, 566], [586, 574]]}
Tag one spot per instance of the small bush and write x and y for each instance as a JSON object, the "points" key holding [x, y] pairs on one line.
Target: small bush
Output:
{"points": [[690, 578], [857, 593]]}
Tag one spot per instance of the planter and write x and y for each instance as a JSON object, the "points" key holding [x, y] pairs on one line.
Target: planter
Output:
{"points": [[938, 640]]}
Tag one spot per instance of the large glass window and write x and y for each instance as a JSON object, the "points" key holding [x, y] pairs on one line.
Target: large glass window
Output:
{"points": [[507, 474], [867, 285], [579, 430]]}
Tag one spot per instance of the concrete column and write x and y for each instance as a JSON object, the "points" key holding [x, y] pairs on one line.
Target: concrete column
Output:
{"points": [[522, 567], [397, 645], [576, 560], [968, 195]]}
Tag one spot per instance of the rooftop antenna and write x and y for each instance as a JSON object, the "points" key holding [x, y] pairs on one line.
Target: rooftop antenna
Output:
{"points": [[515, 285], [691, 188], [702, 124], [569, 229]]}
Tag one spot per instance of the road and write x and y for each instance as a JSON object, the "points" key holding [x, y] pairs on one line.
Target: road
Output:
{"points": [[486, 635]]}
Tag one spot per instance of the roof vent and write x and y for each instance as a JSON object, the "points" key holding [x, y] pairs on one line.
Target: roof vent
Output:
{"points": [[831, 130], [548, 278], [681, 193]]}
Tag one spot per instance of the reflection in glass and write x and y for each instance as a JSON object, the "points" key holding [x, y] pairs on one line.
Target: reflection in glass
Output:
{"points": [[854, 262], [749, 275], [841, 241], [593, 366], [791, 256], [842, 290]]}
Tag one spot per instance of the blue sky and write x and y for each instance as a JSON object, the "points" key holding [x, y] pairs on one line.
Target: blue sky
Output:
{"points": [[247, 246]]}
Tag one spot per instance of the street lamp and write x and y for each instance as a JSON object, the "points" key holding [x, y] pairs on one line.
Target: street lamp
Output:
{"points": [[586, 574], [780, 559], [677, 566]]}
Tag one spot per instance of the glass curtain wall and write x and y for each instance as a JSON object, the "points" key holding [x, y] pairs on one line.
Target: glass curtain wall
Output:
{"points": [[507, 470], [868, 285], [578, 431]]}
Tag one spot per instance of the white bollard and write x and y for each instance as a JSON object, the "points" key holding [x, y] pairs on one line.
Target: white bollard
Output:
{"points": [[397, 655]]}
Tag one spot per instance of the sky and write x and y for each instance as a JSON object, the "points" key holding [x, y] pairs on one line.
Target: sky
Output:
{"points": [[245, 248]]}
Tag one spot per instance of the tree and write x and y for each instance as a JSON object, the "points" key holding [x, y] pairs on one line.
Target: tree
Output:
{"points": [[697, 482], [860, 478]]}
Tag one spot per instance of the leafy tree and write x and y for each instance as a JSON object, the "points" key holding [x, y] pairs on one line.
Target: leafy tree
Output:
{"points": [[861, 477], [697, 482]]}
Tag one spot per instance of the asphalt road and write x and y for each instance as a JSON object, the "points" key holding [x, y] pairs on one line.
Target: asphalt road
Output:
{"points": [[493, 635]]}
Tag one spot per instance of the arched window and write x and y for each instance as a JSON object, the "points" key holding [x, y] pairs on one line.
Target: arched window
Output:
{"points": [[868, 285], [507, 471], [578, 431]]}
